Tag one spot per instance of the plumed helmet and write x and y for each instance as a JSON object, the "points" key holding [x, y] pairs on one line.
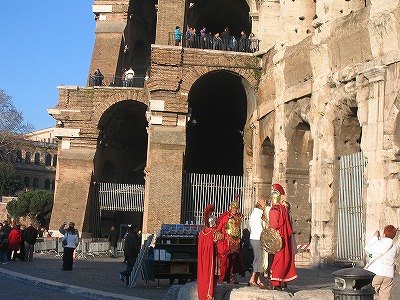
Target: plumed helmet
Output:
{"points": [[277, 191], [235, 203], [209, 216], [277, 187]]}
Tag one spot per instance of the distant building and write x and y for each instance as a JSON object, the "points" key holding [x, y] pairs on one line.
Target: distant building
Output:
{"points": [[35, 160]]}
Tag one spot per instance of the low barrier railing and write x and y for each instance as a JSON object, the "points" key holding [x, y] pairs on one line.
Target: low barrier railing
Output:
{"points": [[85, 248]]}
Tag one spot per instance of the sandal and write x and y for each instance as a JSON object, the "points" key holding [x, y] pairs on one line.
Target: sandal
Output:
{"points": [[253, 284]]}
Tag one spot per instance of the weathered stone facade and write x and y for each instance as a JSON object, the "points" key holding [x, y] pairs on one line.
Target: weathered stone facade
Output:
{"points": [[324, 84]]}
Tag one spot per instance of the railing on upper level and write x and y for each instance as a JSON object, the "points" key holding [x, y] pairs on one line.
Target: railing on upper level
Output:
{"points": [[112, 80], [249, 45]]}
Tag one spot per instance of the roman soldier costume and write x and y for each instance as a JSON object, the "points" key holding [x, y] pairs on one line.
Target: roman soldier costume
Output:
{"points": [[229, 257], [282, 267], [206, 255]]}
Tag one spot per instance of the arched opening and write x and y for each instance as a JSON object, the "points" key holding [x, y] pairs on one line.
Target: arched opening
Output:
{"points": [[27, 182], [53, 185], [122, 143], [218, 107], [300, 149], [47, 184], [27, 157], [48, 159], [120, 158], [19, 156], [219, 14], [55, 160], [35, 184], [37, 158]]}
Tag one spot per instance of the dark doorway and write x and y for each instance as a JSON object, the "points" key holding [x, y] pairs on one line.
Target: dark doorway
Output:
{"points": [[215, 130], [122, 144]]}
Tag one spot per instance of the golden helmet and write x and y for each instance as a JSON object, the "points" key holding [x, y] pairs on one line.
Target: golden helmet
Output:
{"points": [[277, 191]]}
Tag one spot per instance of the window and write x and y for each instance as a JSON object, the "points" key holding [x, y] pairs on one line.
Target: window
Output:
{"points": [[48, 160], [37, 158], [35, 183], [27, 182], [55, 160], [47, 184], [27, 157]]}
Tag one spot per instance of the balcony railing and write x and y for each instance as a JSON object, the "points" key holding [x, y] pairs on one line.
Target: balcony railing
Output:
{"points": [[249, 45], [112, 80]]}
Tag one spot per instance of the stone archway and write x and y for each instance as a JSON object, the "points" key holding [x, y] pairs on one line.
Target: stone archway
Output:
{"points": [[299, 154]]}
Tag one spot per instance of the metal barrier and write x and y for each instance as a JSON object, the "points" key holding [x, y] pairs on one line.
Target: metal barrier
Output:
{"points": [[85, 248]]}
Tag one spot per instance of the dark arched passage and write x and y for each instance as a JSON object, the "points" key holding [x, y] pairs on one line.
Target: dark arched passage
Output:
{"points": [[215, 130]]}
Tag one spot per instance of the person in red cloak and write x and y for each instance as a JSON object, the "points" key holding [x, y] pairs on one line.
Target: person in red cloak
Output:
{"points": [[229, 255], [282, 267], [206, 255]]}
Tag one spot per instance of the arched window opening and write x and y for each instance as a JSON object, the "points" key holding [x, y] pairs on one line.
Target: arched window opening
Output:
{"points": [[37, 158], [48, 159], [55, 160], [19, 156], [27, 157], [53, 185], [47, 184], [27, 182], [35, 183]]}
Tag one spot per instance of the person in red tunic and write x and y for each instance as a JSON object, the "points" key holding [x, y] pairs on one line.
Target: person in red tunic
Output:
{"points": [[206, 255], [282, 268], [229, 255]]}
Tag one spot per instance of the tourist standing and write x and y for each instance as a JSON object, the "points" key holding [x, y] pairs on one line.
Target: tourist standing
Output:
{"points": [[14, 241], [178, 36], [70, 240], [131, 251], [113, 240], [382, 252], [30, 234]]}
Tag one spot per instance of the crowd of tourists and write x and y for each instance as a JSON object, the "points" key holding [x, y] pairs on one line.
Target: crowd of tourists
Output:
{"points": [[216, 41]]}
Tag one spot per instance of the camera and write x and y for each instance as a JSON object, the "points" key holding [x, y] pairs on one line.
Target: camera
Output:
{"points": [[65, 223]]}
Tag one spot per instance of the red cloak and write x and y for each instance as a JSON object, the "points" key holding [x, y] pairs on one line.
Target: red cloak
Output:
{"points": [[206, 264], [282, 268]]}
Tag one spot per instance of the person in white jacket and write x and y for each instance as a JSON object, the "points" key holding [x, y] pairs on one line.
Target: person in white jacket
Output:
{"points": [[256, 227], [381, 252]]}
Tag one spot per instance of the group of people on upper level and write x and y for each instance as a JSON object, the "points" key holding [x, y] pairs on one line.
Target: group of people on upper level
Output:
{"points": [[217, 41]]}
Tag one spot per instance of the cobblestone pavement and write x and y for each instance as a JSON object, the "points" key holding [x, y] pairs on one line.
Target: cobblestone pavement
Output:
{"points": [[97, 277]]}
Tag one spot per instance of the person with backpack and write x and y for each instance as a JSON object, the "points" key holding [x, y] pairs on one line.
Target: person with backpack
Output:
{"points": [[29, 237]]}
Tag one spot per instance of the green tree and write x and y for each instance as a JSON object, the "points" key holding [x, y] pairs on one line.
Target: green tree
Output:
{"points": [[9, 180], [35, 205]]}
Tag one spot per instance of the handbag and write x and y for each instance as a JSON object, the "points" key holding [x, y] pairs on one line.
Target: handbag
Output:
{"points": [[376, 258], [65, 242]]}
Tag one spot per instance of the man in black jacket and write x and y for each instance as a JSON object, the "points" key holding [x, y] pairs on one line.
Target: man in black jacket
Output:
{"points": [[29, 236], [113, 240], [131, 251]]}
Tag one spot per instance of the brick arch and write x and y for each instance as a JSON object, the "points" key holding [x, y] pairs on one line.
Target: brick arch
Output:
{"points": [[194, 73], [109, 100]]}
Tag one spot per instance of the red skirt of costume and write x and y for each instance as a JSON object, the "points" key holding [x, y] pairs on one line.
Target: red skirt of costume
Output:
{"points": [[206, 264], [282, 268]]}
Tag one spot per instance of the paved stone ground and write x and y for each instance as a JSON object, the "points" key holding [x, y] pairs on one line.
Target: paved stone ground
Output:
{"points": [[97, 278]]}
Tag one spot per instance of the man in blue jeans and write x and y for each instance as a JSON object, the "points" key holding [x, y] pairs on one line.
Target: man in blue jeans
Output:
{"points": [[131, 251]]}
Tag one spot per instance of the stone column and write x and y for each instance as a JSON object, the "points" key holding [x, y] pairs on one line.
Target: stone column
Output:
{"points": [[372, 145], [163, 189], [171, 13]]}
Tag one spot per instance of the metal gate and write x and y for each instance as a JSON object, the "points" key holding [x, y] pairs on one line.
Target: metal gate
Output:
{"points": [[116, 197], [199, 190], [350, 230]]}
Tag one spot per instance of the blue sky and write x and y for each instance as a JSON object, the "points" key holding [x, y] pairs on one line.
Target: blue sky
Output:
{"points": [[44, 44]]}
